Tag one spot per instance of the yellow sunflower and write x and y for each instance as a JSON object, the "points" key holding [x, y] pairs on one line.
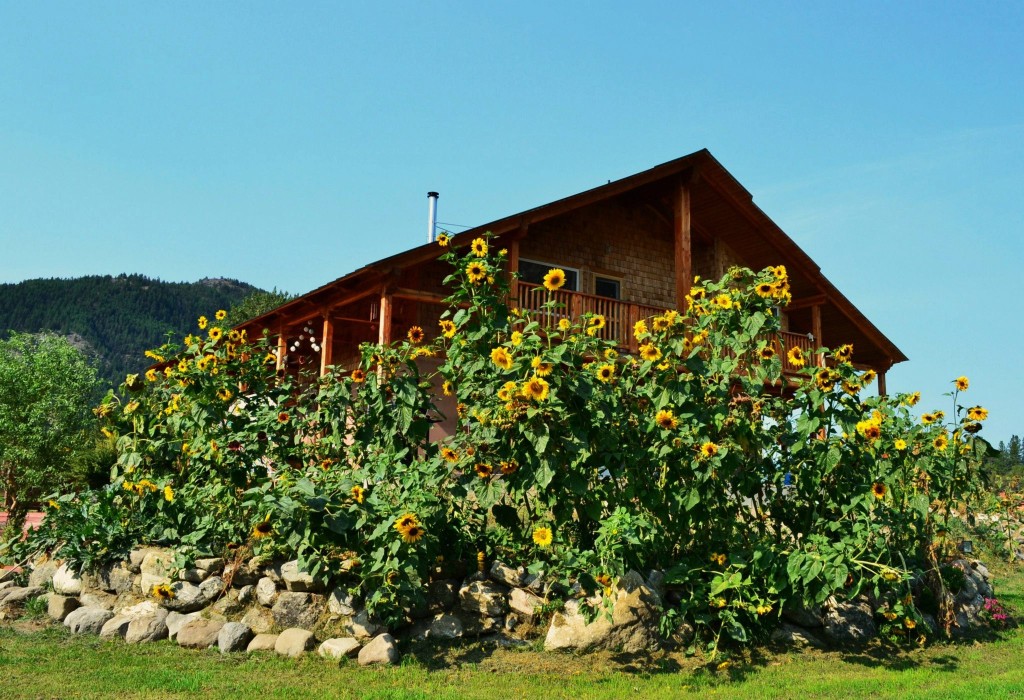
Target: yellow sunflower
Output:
{"points": [[541, 368], [479, 247], [442, 240], [940, 443], [606, 373], [447, 328], [202, 322], [483, 470], [163, 591], [224, 394], [767, 352], [535, 388], [406, 521], [358, 493], [502, 358], [221, 315], [659, 324], [263, 529], [215, 333], [564, 324], [649, 352], [879, 490], [764, 289], [709, 449], [900, 444], [543, 537], [509, 467], [449, 455], [796, 357], [413, 534], [415, 335], [962, 383], [844, 353], [666, 419], [639, 329], [151, 375], [554, 279], [507, 391], [168, 494], [977, 413], [476, 272]]}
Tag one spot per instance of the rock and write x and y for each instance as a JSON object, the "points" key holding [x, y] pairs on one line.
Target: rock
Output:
{"points": [[189, 597], [380, 650], [110, 578], [18, 594], [656, 582], [791, 635], [982, 570], [118, 625], [87, 620], [176, 620], [199, 633], [476, 626], [445, 626], [969, 591], [211, 566], [299, 581], [43, 573], [191, 575], [240, 575], [127, 600], [66, 581], [442, 595], [259, 619], [98, 599], [803, 617], [137, 556], [633, 626], [8, 584], [246, 594], [266, 592], [361, 626], [483, 598], [848, 622], [505, 574], [297, 610], [227, 605], [339, 648], [156, 568], [534, 583], [58, 606], [234, 636], [524, 602], [262, 642], [147, 628], [294, 642], [341, 602]]}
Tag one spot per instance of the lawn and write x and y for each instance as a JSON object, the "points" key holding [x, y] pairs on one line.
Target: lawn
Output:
{"points": [[42, 661]]}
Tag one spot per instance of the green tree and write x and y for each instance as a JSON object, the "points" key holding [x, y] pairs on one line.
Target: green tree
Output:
{"points": [[256, 304], [46, 386]]}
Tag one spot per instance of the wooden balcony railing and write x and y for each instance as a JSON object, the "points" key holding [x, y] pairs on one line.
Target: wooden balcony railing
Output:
{"points": [[620, 316]]}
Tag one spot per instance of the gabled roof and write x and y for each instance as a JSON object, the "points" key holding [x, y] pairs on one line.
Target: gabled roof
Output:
{"points": [[757, 235]]}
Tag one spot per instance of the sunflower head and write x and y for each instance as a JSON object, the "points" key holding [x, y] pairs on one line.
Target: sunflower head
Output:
{"points": [[767, 352], [483, 470], [708, 450], [879, 490], [606, 373], [535, 388], [554, 279], [542, 537], [263, 529], [415, 335], [796, 357], [479, 247], [447, 328], [962, 383], [413, 533], [666, 420], [476, 272], [358, 493], [650, 352], [502, 358], [442, 240]]}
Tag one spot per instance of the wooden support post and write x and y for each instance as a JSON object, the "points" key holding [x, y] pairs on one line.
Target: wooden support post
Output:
{"points": [[683, 248], [327, 345], [384, 334], [513, 267], [282, 348], [881, 383], [819, 359]]}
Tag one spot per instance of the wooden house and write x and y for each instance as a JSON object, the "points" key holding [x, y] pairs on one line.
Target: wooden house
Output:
{"points": [[630, 248]]}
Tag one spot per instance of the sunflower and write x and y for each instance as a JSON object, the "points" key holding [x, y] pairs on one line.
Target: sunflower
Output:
{"points": [[507, 391], [483, 470], [151, 375], [962, 383], [535, 388], [202, 322], [767, 352], [649, 352], [868, 377], [406, 521], [358, 493], [542, 537], [447, 328], [796, 357], [610, 354], [666, 419], [413, 534], [447, 388], [358, 376], [825, 379], [977, 413], [415, 335], [502, 358], [564, 324], [476, 272], [163, 591], [234, 336], [764, 289], [659, 324], [541, 368], [224, 394], [639, 329], [940, 443], [844, 353], [606, 373], [879, 490], [509, 467], [779, 271], [851, 388], [442, 240], [709, 449], [928, 418], [554, 279], [449, 455], [900, 444], [263, 529], [722, 301], [216, 333], [479, 247], [282, 417]]}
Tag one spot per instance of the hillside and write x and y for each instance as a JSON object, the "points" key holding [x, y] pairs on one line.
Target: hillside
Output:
{"points": [[114, 319]]}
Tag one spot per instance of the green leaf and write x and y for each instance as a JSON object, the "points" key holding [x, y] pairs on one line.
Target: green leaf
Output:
{"points": [[506, 516]]}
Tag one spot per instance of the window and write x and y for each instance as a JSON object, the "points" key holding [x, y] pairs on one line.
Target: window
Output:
{"points": [[533, 271], [608, 287]]}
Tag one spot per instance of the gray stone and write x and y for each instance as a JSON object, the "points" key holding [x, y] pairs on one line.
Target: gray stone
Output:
{"points": [[127, 600], [189, 597], [211, 565], [341, 602], [111, 578], [157, 566], [446, 626], [483, 598], [339, 648], [195, 576], [176, 620], [7, 584], [794, 636], [227, 605], [534, 583], [380, 650], [98, 599], [58, 606], [361, 626], [259, 619], [87, 620], [476, 626], [234, 636], [262, 642], [506, 575], [297, 610], [633, 626], [266, 592], [523, 602], [43, 573], [147, 628], [66, 581], [299, 581], [848, 622], [240, 574], [199, 634], [18, 594], [137, 556], [246, 594], [656, 582], [118, 625], [294, 642]]}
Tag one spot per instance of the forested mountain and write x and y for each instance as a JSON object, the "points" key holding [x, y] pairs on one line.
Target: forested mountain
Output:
{"points": [[115, 319]]}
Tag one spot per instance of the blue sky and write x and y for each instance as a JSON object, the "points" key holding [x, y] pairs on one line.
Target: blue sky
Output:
{"points": [[286, 144]]}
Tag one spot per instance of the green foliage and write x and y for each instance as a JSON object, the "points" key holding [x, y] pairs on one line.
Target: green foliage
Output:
{"points": [[46, 386], [568, 455], [256, 304]]}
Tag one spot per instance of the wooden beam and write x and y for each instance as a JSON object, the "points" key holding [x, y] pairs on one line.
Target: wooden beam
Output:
{"points": [[513, 260], [416, 295], [282, 347], [683, 246], [327, 345], [881, 383], [384, 335], [819, 359], [806, 302]]}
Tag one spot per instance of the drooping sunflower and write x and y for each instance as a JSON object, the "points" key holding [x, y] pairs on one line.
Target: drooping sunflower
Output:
{"points": [[844, 353], [606, 373], [977, 413], [541, 368], [709, 449], [358, 493], [564, 324], [449, 455], [868, 377], [554, 279], [825, 379], [415, 335], [650, 352], [796, 357], [666, 419], [224, 394], [263, 529], [543, 537], [928, 418], [879, 490], [483, 470], [447, 328], [535, 388], [659, 324], [516, 338], [767, 352], [479, 247], [502, 358], [476, 272], [597, 321], [962, 383], [234, 336]]}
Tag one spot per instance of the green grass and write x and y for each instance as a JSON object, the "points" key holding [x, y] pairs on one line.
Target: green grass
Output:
{"points": [[48, 663]]}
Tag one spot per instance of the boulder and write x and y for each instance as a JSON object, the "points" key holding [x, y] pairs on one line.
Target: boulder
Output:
{"points": [[380, 650], [800, 616], [442, 595], [98, 599], [66, 581], [240, 574], [147, 628], [262, 642], [117, 626], [227, 605], [297, 580], [246, 594], [188, 597], [795, 636], [19, 594], [445, 626], [341, 602], [297, 609], [42, 573], [294, 642], [361, 626], [156, 568], [210, 566], [259, 619], [110, 578], [199, 633], [524, 603], [58, 606], [633, 626], [234, 636], [848, 622], [339, 648], [266, 592], [87, 620], [137, 556], [483, 598], [502, 573], [176, 620]]}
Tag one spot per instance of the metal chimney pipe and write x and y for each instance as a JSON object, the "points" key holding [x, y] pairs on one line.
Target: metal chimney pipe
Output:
{"points": [[432, 216]]}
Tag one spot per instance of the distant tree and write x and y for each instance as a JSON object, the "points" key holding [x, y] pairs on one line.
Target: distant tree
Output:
{"points": [[256, 304], [1014, 452], [46, 386]]}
